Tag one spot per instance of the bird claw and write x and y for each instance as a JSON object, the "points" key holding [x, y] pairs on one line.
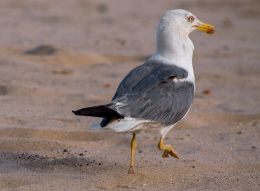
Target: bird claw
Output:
{"points": [[131, 170], [170, 152], [165, 154]]}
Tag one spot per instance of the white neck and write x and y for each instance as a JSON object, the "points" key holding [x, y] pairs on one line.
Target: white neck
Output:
{"points": [[174, 44], [175, 48]]}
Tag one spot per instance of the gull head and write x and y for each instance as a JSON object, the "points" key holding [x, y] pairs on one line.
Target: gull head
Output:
{"points": [[173, 31], [182, 22]]}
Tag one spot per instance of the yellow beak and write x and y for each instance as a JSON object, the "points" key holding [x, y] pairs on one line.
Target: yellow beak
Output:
{"points": [[210, 29]]}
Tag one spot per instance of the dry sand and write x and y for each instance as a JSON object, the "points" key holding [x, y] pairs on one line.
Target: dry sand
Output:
{"points": [[44, 147]]}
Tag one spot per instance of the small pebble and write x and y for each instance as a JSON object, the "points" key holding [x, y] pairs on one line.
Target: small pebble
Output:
{"points": [[140, 151], [106, 85], [65, 150], [206, 92]]}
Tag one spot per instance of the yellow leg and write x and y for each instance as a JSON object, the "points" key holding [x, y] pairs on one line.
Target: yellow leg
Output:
{"points": [[168, 150], [132, 159]]}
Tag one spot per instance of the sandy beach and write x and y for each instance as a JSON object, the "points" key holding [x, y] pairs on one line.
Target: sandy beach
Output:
{"points": [[56, 56]]}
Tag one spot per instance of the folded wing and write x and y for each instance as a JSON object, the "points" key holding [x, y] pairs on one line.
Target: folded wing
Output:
{"points": [[154, 91]]}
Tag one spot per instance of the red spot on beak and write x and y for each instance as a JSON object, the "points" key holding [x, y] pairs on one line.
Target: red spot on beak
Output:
{"points": [[210, 30]]}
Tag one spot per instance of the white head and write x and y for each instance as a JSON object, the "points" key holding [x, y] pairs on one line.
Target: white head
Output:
{"points": [[173, 30], [183, 22]]}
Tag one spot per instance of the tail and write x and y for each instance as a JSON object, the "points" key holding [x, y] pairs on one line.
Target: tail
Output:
{"points": [[98, 111]]}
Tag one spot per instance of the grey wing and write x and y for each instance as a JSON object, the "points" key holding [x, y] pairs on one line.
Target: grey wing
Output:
{"points": [[130, 81], [148, 92], [146, 76], [134, 77], [158, 96], [166, 103]]}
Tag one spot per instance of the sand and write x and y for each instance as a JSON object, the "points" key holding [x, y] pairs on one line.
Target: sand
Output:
{"points": [[56, 56]]}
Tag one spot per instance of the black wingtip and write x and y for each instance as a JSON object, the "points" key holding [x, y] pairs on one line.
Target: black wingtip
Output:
{"points": [[97, 111], [75, 112]]}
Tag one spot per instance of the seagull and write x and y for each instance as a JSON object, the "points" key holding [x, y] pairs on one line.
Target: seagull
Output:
{"points": [[159, 93]]}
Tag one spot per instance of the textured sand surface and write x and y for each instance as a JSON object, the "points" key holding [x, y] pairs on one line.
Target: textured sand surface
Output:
{"points": [[92, 45]]}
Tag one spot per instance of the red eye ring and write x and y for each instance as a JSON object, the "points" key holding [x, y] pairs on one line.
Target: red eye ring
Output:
{"points": [[190, 18]]}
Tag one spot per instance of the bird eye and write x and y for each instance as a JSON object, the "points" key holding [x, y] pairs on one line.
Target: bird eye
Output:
{"points": [[190, 18]]}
